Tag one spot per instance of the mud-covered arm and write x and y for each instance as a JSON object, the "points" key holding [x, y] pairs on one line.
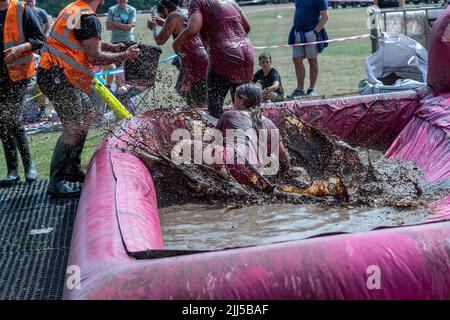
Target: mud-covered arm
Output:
{"points": [[194, 26], [285, 165], [98, 57], [245, 22], [167, 30], [244, 19]]}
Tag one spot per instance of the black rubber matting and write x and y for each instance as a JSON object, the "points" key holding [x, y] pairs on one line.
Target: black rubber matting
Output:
{"points": [[35, 234]]}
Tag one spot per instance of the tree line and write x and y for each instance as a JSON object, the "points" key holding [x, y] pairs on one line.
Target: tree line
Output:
{"points": [[54, 6]]}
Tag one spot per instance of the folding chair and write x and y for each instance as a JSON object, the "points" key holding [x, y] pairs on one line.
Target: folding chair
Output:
{"points": [[141, 100], [135, 99]]}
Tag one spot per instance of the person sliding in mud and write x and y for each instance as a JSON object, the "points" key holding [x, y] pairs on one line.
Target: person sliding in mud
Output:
{"points": [[223, 28], [194, 59], [247, 115]]}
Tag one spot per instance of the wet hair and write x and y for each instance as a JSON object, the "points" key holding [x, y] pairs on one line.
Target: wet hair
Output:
{"points": [[170, 5], [251, 93], [265, 55]]}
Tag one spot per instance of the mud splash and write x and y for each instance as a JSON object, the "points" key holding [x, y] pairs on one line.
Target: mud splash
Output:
{"points": [[334, 188], [326, 170]]}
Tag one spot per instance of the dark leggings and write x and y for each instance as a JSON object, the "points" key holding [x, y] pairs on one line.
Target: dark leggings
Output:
{"points": [[11, 97], [218, 87]]}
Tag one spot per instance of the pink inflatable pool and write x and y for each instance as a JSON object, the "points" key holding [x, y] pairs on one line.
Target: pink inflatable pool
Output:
{"points": [[117, 240]]}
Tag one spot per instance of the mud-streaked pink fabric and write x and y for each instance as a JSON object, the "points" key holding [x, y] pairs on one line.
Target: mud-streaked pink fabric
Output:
{"points": [[426, 142]]}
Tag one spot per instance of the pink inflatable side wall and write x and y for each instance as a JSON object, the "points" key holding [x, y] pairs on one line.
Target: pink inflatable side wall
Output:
{"points": [[118, 218]]}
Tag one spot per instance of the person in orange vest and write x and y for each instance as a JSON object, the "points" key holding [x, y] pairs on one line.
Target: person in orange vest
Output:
{"points": [[20, 35], [65, 76]]}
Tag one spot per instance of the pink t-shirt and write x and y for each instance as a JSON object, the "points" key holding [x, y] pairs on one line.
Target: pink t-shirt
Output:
{"points": [[230, 50]]}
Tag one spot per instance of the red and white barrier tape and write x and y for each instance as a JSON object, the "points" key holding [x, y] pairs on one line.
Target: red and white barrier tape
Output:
{"points": [[360, 37]]}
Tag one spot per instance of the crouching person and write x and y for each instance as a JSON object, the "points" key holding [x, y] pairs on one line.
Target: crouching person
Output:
{"points": [[269, 79], [21, 35], [65, 76]]}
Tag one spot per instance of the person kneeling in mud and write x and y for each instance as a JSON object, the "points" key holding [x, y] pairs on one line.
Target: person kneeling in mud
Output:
{"points": [[246, 133]]}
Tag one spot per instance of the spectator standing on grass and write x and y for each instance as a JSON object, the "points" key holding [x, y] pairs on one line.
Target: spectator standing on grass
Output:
{"points": [[65, 76], [269, 79], [223, 28], [194, 59], [41, 15], [44, 22], [20, 35], [309, 26], [121, 21]]}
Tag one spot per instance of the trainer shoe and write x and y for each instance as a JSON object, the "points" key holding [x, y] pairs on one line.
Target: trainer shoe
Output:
{"points": [[296, 93], [311, 93]]}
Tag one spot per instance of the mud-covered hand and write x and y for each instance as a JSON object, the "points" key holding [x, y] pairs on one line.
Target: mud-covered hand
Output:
{"points": [[132, 52], [286, 170], [12, 54], [119, 47], [159, 21], [176, 47], [151, 24]]}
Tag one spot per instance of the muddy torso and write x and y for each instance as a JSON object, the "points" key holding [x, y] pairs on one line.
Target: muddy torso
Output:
{"points": [[230, 50], [194, 58]]}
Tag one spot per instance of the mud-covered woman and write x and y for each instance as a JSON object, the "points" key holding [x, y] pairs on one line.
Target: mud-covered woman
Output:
{"points": [[252, 143]]}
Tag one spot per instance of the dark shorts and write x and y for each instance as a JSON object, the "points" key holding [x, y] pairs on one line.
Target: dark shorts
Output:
{"points": [[71, 104]]}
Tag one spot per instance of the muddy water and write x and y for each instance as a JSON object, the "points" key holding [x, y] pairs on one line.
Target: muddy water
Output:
{"points": [[205, 227]]}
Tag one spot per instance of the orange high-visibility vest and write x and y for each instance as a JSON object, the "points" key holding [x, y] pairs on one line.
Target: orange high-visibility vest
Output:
{"points": [[64, 50], [13, 35]]}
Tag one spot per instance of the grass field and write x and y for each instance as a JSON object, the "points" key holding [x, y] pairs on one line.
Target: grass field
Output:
{"points": [[341, 65]]}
